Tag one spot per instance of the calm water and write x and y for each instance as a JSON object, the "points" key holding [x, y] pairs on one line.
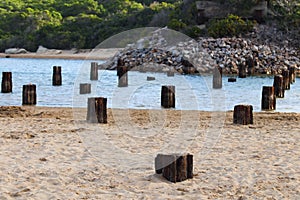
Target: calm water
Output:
{"points": [[192, 92]]}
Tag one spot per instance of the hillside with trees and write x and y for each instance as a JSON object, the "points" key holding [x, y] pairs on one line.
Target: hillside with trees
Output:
{"points": [[66, 24]]}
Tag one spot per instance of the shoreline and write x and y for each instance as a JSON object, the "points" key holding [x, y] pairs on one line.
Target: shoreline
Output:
{"points": [[92, 54], [110, 110], [84, 54]]}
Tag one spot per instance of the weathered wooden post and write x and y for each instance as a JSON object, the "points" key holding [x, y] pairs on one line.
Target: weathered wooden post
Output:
{"points": [[268, 101], [97, 110], [242, 70], [170, 73], [292, 74], [122, 73], [150, 78], [231, 79], [250, 65], [168, 96], [174, 167], [243, 114], [84, 88], [286, 79], [29, 94], [56, 78], [6, 85], [278, 86], [94, 71], [217, 78], [122, 76]]}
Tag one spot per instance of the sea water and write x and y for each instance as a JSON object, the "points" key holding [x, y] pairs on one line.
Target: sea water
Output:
{"points": [[193, 92]]}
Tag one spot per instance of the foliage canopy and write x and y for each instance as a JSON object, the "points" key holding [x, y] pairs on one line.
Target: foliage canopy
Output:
{"points": [[69, 24]]}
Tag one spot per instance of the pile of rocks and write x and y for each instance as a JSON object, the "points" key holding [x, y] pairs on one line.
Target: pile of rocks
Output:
{"points": [[229, 53], [148, 59], [158, 60], [154, 53]]}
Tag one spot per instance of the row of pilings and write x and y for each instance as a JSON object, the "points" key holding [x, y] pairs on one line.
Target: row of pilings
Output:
{"points": [[281, 83], [173, 167]]}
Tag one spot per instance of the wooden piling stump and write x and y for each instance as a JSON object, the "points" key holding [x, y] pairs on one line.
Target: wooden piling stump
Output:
{"points": [[150, 78], [85, 88], [217, 78], [242, 70], [231, 79], [29, 94], [243, 114], [97, 110], [122, 73], [189, 160], [278, 86], [268, 101], [122, 76], [169, 172], [250, 65], [292, 74], [170, 73], [56, 78], [168, 96], [161, 161], [6, 85], [94, 71], [174, 167], [286, 79]]}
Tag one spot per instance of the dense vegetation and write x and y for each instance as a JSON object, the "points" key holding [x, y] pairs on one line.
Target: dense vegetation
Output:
{"points": [[232, 25], [66, 24]]}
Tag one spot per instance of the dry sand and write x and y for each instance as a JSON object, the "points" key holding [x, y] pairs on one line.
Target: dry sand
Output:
{"points": [[92, 54], [53, 153]]}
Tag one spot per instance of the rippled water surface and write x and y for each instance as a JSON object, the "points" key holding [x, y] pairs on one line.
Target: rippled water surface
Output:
{"points": [[192, 92]]}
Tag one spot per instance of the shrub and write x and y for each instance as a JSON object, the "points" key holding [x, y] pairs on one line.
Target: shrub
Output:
{"points": [[232, 25], [176, 24], [193, 31]]}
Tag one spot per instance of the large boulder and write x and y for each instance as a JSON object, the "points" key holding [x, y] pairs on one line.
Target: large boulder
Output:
{"points": [[15, 51], [44, 50]]}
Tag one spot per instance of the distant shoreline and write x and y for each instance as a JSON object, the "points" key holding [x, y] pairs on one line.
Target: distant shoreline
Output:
{"points": [[83, 54], [87, 54]]}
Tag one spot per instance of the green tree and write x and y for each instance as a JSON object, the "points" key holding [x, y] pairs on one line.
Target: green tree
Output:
{"points": [[122, 7], [75, 7]]}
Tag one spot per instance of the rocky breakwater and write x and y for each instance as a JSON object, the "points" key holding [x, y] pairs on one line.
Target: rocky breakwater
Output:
{"points": [[184, 58], [230, 53], [203, 55]]}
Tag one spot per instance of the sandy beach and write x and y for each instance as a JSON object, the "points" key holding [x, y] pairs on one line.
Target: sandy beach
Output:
{"points": [[92, 54], [53, 153]]}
